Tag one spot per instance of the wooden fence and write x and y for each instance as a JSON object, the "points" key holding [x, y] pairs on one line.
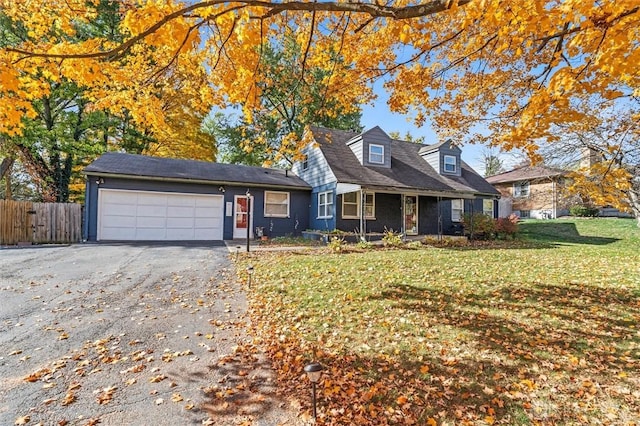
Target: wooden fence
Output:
{"points": [[39, 223]]}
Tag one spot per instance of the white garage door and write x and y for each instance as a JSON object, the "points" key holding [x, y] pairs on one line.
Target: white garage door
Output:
{"points": [[158, 216]]}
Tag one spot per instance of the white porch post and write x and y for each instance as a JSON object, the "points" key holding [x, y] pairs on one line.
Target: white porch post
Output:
{"points": [[362, 209]]}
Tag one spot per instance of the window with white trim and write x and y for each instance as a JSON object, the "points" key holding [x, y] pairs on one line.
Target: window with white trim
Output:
{"points": [[351, 205], [276, 204], [487, 207], [457, 210], [521, 189], [325, 205], [376, 154], [305, 164], [369, 206], [450, 163]]}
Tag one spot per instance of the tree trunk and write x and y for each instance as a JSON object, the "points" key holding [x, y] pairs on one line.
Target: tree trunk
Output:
{"points": [[5, 171], [634, 199]]}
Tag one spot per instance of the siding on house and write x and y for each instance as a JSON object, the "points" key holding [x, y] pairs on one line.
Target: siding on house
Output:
{"points": [[322, 224], [318, 172], [431, 157], [356, 145], [297, 221], [388, 215], [376, 136], [428, 209], [435, 154]]}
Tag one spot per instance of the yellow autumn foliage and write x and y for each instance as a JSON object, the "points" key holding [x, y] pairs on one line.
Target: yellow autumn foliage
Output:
{"points": [[515, 67]]}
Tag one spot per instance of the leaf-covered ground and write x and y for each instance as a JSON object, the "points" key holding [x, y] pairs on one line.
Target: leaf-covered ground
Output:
{"points": [[542, 330]]}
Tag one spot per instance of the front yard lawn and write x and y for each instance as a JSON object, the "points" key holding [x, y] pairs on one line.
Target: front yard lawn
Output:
{"points": [[542, 330]]}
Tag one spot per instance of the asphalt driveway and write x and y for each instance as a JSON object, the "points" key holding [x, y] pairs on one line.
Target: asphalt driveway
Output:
{"points": [[129, 335]]}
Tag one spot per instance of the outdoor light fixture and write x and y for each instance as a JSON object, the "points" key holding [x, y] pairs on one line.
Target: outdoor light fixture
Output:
{"points": [[314, 371], [250, 273]]}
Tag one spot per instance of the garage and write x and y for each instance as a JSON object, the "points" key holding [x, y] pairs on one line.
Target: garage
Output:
{"points": [[132, 197], [127, 215]]}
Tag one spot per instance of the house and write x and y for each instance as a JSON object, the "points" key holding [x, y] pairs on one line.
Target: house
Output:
{"points": [[536, 192], [136, 197], [364, 182], [368, 183]]}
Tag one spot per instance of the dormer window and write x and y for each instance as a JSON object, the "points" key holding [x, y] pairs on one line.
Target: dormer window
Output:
{"points": [[376, 154], [450, 164]]}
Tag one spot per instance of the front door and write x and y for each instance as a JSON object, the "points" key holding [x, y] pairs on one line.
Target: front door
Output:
{"points": [[241, 217], [411, 214]]}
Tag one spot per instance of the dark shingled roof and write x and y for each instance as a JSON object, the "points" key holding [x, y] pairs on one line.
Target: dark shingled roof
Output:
{"points": [[409, 171], [142, 166], [526, 173]]}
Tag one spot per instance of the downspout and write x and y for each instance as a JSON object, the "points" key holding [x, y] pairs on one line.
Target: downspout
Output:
{"points": [[87, 202]]}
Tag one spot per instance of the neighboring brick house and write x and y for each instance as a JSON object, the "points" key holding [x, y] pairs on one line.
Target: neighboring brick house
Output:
{"points": [[536, 192]]}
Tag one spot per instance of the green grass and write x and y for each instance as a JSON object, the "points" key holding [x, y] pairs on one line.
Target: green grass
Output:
{"points": [[544, 329]]}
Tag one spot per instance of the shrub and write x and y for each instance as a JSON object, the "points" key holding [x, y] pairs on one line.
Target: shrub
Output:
{"points": [[337, 245], [364, 245], [479, 226], [414, 244], [392, 239], [583, 211], [507, 226]]}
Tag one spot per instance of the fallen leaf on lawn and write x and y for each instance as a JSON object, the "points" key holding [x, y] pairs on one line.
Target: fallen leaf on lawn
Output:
{"points": [[74, 386], [208, 422], [63, 423], [189, 406], [176, 397], [48, 385], [401, 400], [63, 336], [432, 422], [488, 390], [424, 369], [92, 422], [22, 420], [157, 379], [16, 352], [208, 336], [159, 401], [49, 401], [130, 382]]}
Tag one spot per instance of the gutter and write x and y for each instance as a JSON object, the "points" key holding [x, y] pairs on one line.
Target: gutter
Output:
{"points": [[198, 181], [428, 193]]}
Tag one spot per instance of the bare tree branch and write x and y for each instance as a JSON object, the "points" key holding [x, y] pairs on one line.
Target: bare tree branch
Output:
{"points": [[374, 10]]}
